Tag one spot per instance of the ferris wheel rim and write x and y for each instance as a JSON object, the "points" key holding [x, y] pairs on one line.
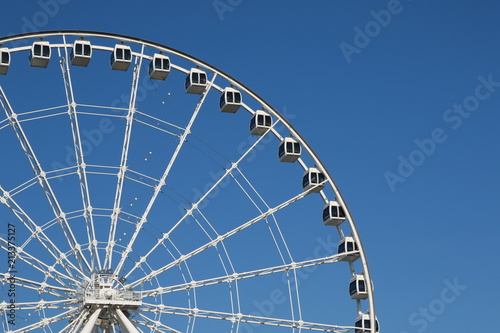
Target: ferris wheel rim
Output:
{"points": [[255, 96]]}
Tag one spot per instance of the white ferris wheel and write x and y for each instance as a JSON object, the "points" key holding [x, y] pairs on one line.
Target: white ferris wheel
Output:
{"points": [[144, 190]]}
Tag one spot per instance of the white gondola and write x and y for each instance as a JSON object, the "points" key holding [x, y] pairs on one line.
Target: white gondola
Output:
{"points": [[81, 53], [40, 54], [333, 214], [196, 81], [357, 287], [4, 60], [313, 179], [230, 100], [260, 123], [362, 324], [348, 245], [159, 67], [121, 57], [289, 150]]}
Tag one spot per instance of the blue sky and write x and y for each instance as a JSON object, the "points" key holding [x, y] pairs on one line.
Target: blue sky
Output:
{"points": [[399, 99]]}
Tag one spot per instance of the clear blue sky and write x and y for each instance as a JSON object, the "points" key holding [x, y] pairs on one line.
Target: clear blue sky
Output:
{"points": [[401, 101]]}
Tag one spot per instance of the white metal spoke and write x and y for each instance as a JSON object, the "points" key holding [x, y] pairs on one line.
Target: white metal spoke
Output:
{"points": [[244, 318], [245, 275], [37, 232], [40, 266], [60, 304], [42, 176], [80, 161], [155, 325], [44, 322], [158, 187], [195, 205], [220, 238], [75, 325], [42, 287], [123, 162], [120, 257]]}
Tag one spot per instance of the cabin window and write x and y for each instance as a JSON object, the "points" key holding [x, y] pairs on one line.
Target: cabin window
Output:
{"points": [[5, 58]]}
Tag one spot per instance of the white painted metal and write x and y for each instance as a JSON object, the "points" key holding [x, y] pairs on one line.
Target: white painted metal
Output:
{"points": [[123, 162], [64, 271], [162, 182], [91, 322], [79, 155], [42, 176], [125, 323]]}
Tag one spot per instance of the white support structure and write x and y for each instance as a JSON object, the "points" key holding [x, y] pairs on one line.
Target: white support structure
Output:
{"points": [[219, 239], [125, 324], [162, 182], [245, 275], [123, 161], [42, 176], [39, 234], [251, 319], [91, 322], [79, 155], [82, 275]]}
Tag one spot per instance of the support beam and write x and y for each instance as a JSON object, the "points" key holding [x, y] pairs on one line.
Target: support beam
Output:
{"points": [[90, 325], [125, 324]]}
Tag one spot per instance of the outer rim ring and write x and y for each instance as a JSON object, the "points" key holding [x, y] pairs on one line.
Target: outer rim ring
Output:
{"points": [[256, 97]]}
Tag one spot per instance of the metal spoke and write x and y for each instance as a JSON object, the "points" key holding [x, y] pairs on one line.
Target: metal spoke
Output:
{"points": [[42, 267], [220, 238], [37, 232], [42, 176], [41, 287], [123, 163], [61, 304], [155, 324], [194, 206], [80, 161], [158, 187], [245, 275], [44, 322], [244, 318], [76, 273], [75, 325]]}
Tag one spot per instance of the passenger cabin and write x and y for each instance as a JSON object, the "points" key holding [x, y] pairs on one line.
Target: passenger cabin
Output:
{"points": [[357, 287], [289, 150], [4, 60], [230, 100], [159, 67], [348, 245], [312, 179], [333, 214], [81, 53], [362, 324], [260, 123], [121, 57], [196, 81], [40, 54]]}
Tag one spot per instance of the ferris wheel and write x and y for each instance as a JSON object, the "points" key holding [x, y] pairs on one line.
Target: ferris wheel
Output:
{"points": [[144, 190]]}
